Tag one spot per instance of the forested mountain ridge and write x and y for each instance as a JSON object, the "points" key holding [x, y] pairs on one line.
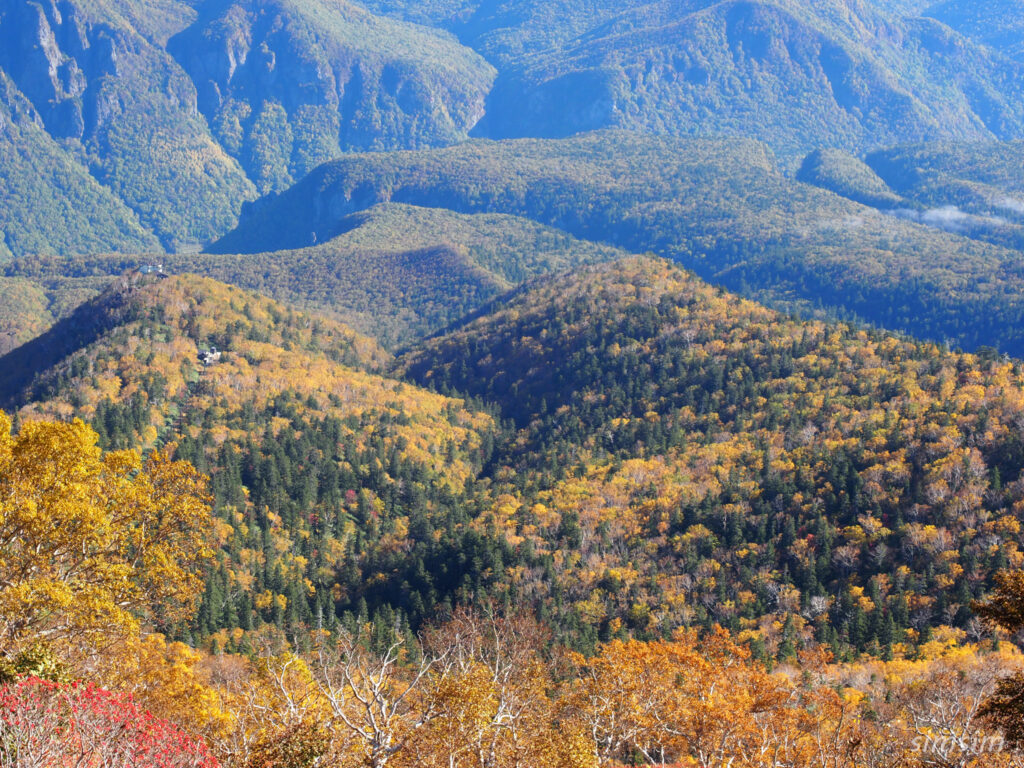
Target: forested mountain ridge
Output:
{"points": [[317, 458], [720, 207], [997, 24], [31, 306], [623, 381], [938, 256], [165, 117], [620, 459], [162, 324], [969, 189], [400, 272], [396, 273], [684, 456], [343, 425], [671, 455]]}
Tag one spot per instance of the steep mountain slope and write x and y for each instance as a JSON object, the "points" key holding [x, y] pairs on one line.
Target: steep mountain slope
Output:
{"points": [[287, 85], [31, 306], [842, 74], [23, 313], [181, 111], [109, 94], [683, 456], [48, 201], [796, 74], [720, 207], [995, 23], [261, 92]]}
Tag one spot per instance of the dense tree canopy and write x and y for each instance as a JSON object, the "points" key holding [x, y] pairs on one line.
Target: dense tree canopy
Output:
{"points": [[94, 542]]}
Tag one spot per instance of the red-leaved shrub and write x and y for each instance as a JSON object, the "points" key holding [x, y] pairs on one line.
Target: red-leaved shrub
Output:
{"points": [[51, 725]]}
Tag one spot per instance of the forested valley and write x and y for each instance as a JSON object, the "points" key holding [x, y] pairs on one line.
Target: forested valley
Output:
{"points": [[511, 384], [763, 533]]}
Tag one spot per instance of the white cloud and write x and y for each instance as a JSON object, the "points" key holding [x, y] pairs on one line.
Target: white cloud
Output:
{"points": [[1007, 203], [949, 218]]}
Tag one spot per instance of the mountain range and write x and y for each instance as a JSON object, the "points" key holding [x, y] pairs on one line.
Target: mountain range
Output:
{"points": [[144, 126], [512, 382], [644, 314]]}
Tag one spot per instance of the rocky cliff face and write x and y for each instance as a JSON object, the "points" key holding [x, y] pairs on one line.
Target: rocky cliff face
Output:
{"points": [[288, 85], [181, 115], [53, 55], [119, 105]]}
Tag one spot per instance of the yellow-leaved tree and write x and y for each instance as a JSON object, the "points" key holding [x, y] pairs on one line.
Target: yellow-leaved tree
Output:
{"points": [[94, 546]]}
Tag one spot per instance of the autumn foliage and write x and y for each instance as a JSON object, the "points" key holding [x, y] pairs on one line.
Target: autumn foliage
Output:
{"points": [[94, 543], [484, 691], [482, 688], [740, 541], [99, 550], [647, 453], [50, 725]]}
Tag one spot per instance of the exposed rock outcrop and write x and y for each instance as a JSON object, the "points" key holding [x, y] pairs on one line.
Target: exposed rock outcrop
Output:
{"points": [[287, 85]]}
